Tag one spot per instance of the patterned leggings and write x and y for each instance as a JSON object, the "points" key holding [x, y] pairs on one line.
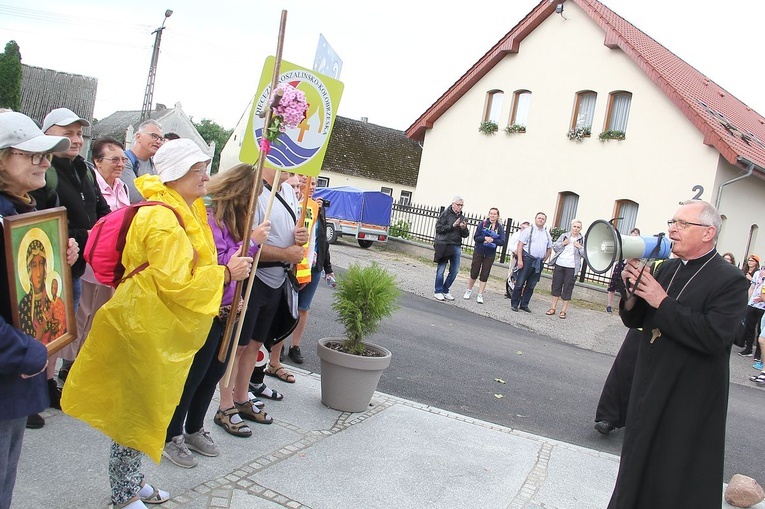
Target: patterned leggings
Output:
{"points": [[125, 476]]}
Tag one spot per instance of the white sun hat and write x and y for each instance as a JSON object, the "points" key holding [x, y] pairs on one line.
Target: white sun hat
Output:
{"points": [[175, 158]]}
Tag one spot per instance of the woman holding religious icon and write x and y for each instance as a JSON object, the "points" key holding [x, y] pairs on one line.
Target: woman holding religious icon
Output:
{"points": [[130, 373], [24, 157]]}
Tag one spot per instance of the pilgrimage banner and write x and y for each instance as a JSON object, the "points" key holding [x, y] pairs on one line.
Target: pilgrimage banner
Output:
{"points": [[302, 149]]}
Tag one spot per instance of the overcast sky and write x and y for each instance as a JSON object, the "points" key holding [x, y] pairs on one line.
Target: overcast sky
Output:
{"points": [[398, 56]]}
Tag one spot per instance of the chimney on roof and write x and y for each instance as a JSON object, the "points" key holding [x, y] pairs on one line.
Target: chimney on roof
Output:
{"points": [[365, 119], [161, 107]]}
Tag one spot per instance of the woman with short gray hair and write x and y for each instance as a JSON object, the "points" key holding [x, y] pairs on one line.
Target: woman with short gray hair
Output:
{"points": [[569, 251]]}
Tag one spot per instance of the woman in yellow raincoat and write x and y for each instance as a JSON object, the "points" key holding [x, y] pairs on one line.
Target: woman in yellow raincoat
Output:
{"points": [[130, 374]]}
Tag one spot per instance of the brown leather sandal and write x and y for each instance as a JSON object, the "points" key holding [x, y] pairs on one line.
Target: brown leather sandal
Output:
{"points": [[250, 412], [223, 419], [281, 373]]}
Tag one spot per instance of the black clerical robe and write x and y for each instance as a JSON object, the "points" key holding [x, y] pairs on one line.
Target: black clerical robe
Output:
{"points": [[615, 396], [674, 442]]}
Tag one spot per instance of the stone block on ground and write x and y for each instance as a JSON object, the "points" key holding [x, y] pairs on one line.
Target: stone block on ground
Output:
{"points": [[743, 491]]}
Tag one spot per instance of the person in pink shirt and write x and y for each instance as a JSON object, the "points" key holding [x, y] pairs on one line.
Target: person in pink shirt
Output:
{"points": [[109, 160]]}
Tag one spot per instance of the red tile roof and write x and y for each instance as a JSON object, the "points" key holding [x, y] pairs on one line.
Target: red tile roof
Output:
{"points": [[728, 125]]}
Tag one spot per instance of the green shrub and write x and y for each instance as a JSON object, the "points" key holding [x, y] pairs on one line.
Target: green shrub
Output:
{"points": [[363, 298], [400, 229]]}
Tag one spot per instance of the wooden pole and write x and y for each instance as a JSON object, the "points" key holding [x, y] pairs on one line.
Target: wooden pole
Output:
{"points": [[226, 342]]}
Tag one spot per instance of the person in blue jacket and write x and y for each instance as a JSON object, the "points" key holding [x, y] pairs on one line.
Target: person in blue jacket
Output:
{"points": [[488, 235], [24, 157]]}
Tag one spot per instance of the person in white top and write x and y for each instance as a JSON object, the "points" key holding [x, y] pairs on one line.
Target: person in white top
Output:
{"points": [[569, 251], [534, 247]]}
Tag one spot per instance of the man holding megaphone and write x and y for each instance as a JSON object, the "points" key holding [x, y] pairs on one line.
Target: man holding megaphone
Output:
{"points": [[674, 441]]}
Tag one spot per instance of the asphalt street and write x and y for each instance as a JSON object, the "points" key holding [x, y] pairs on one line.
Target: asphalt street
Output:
{"points": [[452, 358]]}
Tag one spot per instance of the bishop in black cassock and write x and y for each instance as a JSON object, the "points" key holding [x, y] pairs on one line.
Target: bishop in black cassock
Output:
{"points": [[674, 443]]}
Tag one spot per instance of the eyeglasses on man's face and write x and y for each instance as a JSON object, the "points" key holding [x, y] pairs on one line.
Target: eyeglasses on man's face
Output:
{"points": [[154, 137], [35, 157], [682, 225]]}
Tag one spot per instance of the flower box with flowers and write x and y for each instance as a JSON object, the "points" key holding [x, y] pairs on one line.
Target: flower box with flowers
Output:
{"points": [[515, 128], [488, 127], [611, 135], [579, 133]]}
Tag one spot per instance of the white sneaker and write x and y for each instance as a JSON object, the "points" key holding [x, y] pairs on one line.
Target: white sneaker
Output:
{"points": [[448, 296], [467, 295], [439, 296], [479, 299]]}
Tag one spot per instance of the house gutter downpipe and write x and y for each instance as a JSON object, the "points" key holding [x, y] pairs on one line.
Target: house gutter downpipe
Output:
{"points": [[749, 170]]}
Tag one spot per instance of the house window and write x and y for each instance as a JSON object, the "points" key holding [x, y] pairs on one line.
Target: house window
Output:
{"points": [[493, 106], [625, 216], [567, 205], [406, 198], [584, 109], [521, 105], [618, 111], [322, 181], [387, 190]]}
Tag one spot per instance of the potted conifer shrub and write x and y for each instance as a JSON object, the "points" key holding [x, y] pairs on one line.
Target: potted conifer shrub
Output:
{"points": [[350, 367]]}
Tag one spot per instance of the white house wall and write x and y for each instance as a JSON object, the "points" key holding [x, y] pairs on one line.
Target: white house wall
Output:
{"points": [[229, 156], [658, 164], [741, 210]]}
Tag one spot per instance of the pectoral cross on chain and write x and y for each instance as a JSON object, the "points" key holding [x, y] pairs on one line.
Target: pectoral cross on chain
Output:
{"points": [[655, 333]]}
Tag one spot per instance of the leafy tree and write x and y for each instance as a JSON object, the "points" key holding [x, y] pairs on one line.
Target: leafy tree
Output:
{"points": [[211, 131], [10, 77]]}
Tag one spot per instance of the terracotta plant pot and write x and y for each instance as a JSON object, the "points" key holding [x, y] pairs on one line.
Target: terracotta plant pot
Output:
{"points": [[348, 382]]}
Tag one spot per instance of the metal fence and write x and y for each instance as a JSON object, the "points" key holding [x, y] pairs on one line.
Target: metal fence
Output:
{"points": [[418, 222]]}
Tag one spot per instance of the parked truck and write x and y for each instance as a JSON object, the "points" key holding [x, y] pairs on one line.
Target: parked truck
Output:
{"points": [[365, 215]]}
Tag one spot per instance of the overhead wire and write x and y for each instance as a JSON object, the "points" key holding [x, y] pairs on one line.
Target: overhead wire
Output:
{"points": [[65, 19]]}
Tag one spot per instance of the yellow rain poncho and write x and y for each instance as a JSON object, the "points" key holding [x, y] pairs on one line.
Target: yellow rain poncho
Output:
{"points": [[130, 374]]}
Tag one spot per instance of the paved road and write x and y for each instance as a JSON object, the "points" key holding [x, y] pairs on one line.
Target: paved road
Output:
{"points": [[449, 357]]}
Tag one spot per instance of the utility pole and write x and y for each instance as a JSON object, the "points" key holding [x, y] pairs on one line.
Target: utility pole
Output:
{"points": [[148, 97]]}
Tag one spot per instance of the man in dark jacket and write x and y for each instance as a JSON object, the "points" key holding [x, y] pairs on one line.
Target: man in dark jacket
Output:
{"points": [[451, 228], [71, 183]]}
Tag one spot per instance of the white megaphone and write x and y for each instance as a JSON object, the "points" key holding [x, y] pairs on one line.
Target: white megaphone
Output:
{"points": [[604, 246]]}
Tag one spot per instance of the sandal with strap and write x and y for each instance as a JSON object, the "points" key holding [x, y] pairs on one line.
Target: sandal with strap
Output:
{"points": [[223, 419], [250, 412], [550, 311], [280, 373], [562, 315], [261, 391], [156, 497]]}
